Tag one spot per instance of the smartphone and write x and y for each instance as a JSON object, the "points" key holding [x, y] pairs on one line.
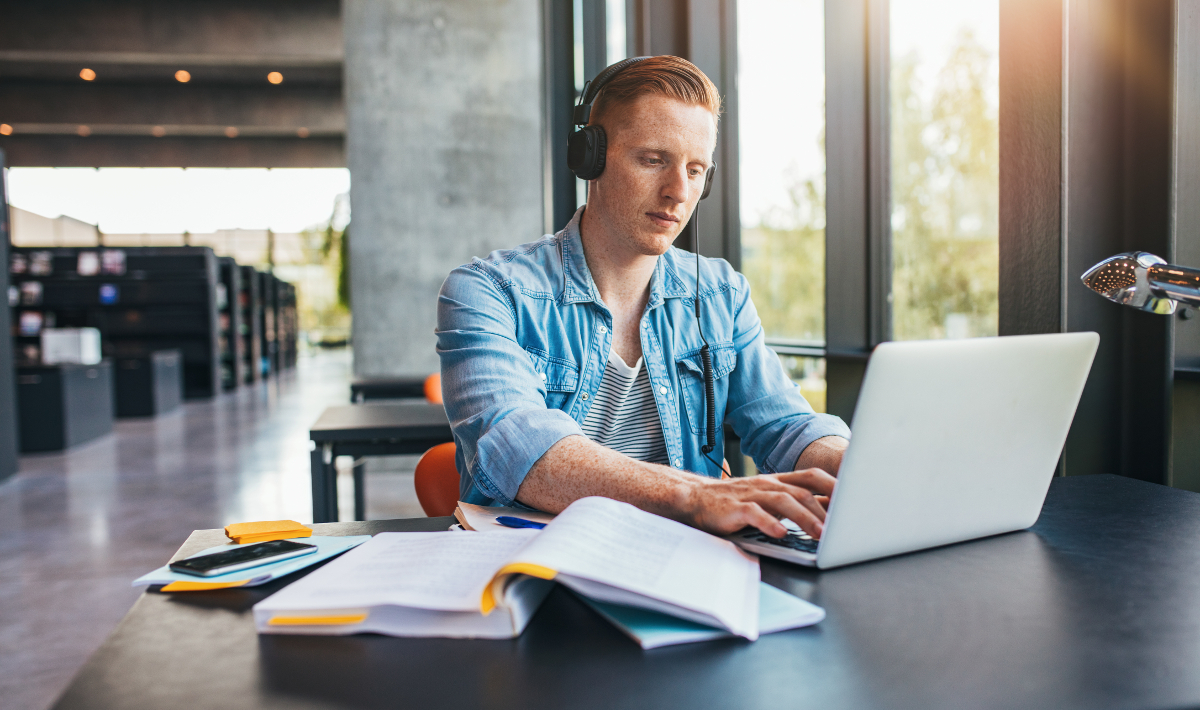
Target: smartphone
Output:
{"points": [[238, 558]]}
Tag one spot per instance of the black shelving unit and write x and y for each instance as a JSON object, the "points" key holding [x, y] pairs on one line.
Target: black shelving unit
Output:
{"points": [[142, 299], [270, 351], [289, 326], [8, 393], [250, 325], [229, 322], [148, 386], [64, 405]]}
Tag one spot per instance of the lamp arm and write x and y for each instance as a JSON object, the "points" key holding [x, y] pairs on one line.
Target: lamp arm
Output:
{"points": [[1178, 283]]}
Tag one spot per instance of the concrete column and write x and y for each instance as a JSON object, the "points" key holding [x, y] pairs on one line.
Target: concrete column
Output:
{"points": [[443, 141]]}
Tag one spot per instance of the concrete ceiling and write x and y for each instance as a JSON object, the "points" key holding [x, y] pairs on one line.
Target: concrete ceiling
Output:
{"points": [[134, 112]]}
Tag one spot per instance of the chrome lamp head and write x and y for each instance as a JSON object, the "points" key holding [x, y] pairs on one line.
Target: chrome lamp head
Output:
{"points": [[1144, 281]]}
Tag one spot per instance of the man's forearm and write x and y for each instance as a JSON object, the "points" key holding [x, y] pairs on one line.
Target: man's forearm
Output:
{"points": [[577, 467], [824, 453]]}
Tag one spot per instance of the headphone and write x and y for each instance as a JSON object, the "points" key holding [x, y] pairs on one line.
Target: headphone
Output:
{"points": [[586, 150], [587, 147]]}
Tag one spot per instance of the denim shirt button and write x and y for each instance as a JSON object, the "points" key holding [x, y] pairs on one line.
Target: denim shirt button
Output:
{"points": [[602, 330], [662, 390], [584, 396], [678, 463], [543, 376], [645, 323]]}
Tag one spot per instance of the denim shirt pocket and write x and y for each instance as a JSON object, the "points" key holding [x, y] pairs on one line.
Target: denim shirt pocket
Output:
{"points": [[691, 381], [560, 377]]}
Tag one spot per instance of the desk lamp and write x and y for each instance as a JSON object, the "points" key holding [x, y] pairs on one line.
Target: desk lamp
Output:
{"points": [[1144, 281]]}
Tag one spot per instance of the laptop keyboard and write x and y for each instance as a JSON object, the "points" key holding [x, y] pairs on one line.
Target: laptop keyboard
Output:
{"points": [[793, 541]]}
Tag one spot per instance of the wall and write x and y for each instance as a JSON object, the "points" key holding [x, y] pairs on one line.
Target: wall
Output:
{"points": [[30, 229], [443, 109]]}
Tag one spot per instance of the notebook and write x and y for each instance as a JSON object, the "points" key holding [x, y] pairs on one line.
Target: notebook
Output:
{"points": [[464, 585], [482, 518], [777, 611]]}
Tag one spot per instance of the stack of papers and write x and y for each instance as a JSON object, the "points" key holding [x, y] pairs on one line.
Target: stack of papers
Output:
{"points": [[265, 531], [637, 567], [326, 547]]}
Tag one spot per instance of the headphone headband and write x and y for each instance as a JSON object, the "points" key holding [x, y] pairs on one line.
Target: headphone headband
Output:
{"points": [[588, 146], [583, 112]]}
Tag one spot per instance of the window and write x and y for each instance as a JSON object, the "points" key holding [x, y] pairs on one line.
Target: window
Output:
{"points": [[945, 168], [781, 97], [615, 30]]}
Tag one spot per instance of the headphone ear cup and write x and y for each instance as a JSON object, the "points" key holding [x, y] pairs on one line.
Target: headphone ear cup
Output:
{"points": [[708, 182], [586, 152]]}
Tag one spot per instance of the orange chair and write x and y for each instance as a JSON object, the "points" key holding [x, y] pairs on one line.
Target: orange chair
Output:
{"points": [[436, 480], [433, 388]]}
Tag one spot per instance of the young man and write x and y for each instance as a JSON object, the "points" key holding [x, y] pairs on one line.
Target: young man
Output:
{"points": [[571, 366]]}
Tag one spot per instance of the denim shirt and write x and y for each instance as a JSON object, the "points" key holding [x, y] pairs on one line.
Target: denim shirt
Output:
{"points": [[524, 337]]}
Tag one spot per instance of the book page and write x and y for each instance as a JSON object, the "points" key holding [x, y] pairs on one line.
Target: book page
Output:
{"points": [[445, 571], [632, 551]]}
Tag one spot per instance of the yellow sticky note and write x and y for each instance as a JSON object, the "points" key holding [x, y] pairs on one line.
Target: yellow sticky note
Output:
{"points": [[266, 530], [491, 590], [201, 586], [338, 620]]}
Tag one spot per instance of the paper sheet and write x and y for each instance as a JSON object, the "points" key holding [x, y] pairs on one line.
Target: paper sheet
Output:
{"points": [[443, 571], [777, 611], [630, 550]]}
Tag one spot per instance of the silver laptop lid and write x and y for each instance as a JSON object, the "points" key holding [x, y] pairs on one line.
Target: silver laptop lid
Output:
{"points": [[953, 440]]}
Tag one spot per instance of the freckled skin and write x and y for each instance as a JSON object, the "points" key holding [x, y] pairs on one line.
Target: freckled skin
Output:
{"points": [[659, 150]]}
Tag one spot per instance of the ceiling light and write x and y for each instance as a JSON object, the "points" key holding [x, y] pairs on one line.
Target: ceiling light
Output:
{"points": [[83, 131], [182, 76], [5, 129], [158, 131], [87, 74], [275, 77], [231, 132], [302, 132]]}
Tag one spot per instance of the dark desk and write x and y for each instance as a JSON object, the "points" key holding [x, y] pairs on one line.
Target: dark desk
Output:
{"points": [[374, 429], [1098, 606], [367, 388]]}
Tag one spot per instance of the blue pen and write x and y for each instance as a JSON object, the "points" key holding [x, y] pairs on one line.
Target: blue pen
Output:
{"points": [[510, 522]]}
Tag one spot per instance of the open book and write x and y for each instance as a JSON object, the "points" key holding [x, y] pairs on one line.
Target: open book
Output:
{"points": [[469, 585]]}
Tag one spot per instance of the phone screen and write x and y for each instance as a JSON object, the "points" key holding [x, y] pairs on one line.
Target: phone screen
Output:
{"points": [[250, 553]]}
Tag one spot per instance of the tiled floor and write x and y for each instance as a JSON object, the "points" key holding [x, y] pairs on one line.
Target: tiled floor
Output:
{"points": [[77, 527]]}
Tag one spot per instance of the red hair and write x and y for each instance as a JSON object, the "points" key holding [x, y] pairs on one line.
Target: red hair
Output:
{"points": [[665, 75]]}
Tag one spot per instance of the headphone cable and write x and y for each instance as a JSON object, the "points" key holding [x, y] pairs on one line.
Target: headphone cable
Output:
{"points": [[710, 398]]}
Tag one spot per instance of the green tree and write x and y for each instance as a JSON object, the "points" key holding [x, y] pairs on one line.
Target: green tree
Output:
{"points": [[786, 266], [326, 248], [945, 187]]}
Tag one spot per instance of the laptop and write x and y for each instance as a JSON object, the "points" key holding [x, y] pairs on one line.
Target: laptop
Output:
{"points": [[952, 440]]}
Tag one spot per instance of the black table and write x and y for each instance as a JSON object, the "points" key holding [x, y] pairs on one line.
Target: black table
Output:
{"points": [[366, 388], [1097, 606], [372, 429]]}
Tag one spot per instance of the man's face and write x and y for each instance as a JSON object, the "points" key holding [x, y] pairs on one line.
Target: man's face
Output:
{"points": [[659, 150]]}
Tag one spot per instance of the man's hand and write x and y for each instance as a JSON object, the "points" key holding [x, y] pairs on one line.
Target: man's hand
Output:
{"points": [[723, 507]]}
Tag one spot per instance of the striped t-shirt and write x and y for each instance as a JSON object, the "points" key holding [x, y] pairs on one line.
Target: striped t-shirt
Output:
{"points": [[624, 416]]}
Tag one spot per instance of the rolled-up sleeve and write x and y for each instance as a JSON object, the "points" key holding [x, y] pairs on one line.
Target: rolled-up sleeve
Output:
{"points": [[495, 400], [775, 422]]}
